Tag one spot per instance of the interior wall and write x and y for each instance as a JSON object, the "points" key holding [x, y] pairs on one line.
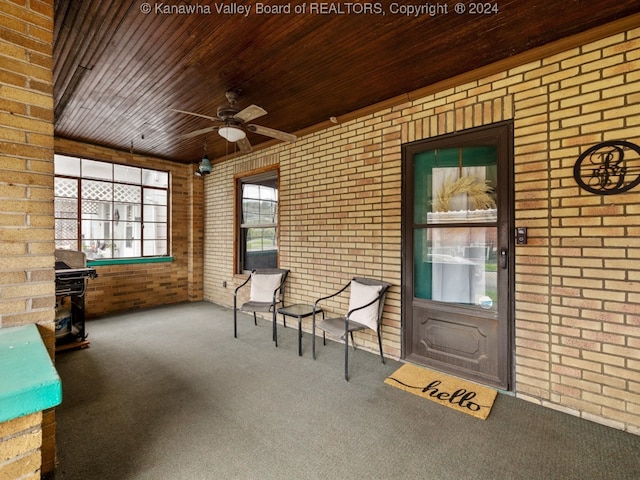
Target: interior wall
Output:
{"points": [[126, 287], [577, 327]]}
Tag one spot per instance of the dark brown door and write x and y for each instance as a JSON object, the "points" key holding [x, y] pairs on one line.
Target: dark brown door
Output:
{"points": [[457, 245]]}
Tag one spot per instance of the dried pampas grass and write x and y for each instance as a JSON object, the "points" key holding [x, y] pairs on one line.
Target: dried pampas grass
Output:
{"points": [[479, 193]]}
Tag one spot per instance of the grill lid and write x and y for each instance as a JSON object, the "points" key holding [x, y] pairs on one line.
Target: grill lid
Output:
{"points": [[70, 259], [72, 266]]}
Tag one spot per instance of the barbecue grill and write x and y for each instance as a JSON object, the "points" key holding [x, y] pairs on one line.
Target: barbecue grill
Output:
{"points": [[72, 275]]}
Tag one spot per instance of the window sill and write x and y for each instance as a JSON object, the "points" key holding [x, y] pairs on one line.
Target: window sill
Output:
{"points": [[128, 261]]}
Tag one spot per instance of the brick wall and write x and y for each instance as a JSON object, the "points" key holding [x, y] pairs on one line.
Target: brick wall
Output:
{"points": [[26, 209], [578, 308], [577, 326], [20, 441], [26, 165], [136, 286]]}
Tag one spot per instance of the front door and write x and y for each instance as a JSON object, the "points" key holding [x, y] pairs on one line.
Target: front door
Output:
{"points": [[457, 261]]}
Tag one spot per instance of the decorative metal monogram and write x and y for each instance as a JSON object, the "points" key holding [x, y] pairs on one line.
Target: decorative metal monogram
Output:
{"points": [[604, 170]]}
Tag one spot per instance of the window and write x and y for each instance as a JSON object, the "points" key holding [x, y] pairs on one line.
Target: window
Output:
{"points": [[258, 221], [109, 210]]}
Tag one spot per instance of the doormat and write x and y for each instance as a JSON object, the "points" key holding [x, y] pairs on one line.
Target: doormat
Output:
{"points": [[461, 395]]}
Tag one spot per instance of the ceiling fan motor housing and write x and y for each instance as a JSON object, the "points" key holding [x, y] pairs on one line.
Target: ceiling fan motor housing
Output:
{"points": [[226, 112]]}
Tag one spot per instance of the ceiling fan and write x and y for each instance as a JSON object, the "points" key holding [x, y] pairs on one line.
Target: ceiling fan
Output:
{"points": [[234, 126]]}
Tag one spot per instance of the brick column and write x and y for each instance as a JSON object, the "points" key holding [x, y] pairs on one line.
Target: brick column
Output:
{"points": [[27, 284]]}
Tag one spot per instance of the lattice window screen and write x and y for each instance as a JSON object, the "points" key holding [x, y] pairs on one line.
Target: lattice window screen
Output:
{"points": [[89, 210], [92, 190], [66, 187], [127, 193]]}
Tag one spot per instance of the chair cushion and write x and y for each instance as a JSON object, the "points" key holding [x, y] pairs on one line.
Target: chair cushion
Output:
{"points": [[362, 294], [263, 286]]}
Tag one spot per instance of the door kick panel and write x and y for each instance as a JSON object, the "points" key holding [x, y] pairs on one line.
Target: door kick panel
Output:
{"points": [[456, 339]]}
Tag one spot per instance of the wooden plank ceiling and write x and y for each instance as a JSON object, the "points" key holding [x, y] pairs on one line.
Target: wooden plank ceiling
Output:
{"points": [[118, 70]]}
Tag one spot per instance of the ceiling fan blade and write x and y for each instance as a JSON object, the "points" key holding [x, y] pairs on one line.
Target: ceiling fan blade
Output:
{"points": [[244, 145], [250, 113], [214, 119], [270, 132], [195, 133]]}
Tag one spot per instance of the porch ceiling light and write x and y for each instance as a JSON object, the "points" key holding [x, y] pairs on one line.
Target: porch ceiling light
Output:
{"points": [[205, 167], [231, 133]]}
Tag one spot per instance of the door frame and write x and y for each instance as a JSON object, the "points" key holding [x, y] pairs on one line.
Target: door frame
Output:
{"points": [[502, 134]]}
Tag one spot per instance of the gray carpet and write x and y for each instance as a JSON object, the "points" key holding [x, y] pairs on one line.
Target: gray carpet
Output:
{"points": [[170, 394]]}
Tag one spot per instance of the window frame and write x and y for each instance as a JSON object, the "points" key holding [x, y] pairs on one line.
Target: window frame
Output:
{"points": [[115, 181], [260, 176]]}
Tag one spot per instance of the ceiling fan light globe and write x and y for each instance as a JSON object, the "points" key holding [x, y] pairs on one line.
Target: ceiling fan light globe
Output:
{"points": [[231, 133]]}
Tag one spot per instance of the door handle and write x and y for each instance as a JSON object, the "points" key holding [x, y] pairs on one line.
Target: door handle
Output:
{"points": [[503, 258]]}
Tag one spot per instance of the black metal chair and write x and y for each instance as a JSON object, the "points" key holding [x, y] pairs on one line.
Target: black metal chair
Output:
{"points": [[266, 293], [366, 303]]}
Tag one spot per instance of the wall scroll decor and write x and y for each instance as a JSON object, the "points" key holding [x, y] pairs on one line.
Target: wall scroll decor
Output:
{"points": [[604, 170]]}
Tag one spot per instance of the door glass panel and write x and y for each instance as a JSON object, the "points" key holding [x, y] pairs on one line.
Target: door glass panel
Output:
{"points": [[455, 226], [455, 185], [456, 265]]}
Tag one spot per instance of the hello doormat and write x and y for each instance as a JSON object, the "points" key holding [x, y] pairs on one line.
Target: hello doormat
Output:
{"points": [[463, 396]]}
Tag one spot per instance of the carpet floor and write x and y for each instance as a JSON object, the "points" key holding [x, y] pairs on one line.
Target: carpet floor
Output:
{"points": [[168, 393]]}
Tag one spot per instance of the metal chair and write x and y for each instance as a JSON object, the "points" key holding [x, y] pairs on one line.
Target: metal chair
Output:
{"points": [[266, 292], [366, 303]]}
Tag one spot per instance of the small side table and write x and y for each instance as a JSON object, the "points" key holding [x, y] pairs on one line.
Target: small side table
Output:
{"points": [[300, 311]]}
